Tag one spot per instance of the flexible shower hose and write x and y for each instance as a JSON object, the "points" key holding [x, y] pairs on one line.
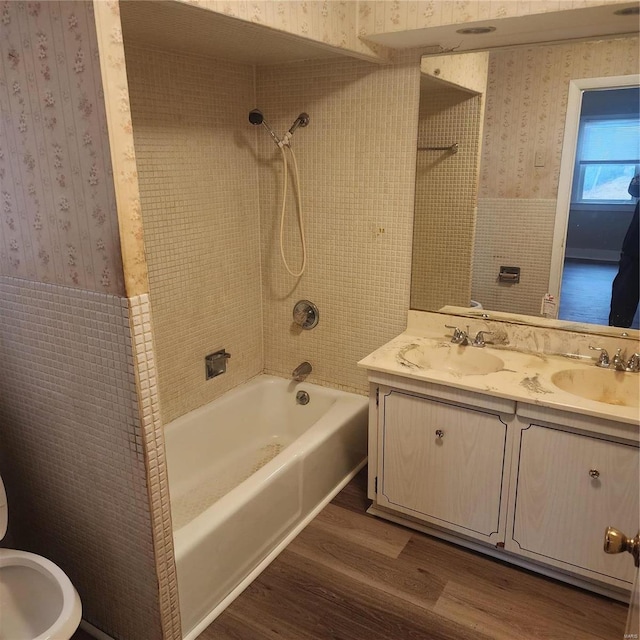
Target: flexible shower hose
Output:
{"points": [[296, 187]]}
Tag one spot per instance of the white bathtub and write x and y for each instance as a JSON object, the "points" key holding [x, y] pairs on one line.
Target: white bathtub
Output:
{"points": [[246, 474]]}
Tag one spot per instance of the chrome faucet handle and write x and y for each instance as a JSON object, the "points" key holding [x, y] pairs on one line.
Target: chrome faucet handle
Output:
{"points": [[634, 363], [603, 360], [618, 361], [479, 341], [459, 336]]}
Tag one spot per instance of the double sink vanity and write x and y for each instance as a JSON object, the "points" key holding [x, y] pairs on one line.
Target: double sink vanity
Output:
{"points": [[520, 446]]}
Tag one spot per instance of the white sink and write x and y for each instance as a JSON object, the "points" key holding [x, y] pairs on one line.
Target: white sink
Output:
{"points": [[602, 385], [452, 358]]}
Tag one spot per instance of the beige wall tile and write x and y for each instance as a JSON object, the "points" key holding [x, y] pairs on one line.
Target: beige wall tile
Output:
{"points": [[73, 449], [513, 232], [357, 168], [157, 480], [199, 194], [446, 186]]}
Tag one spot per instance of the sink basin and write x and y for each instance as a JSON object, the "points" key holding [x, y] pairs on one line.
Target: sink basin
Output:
{"points": [[453, 359], [602, 385]]}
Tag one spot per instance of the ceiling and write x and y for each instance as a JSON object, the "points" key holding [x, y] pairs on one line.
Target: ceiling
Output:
{"points": [[587, 22], [182, 28]]}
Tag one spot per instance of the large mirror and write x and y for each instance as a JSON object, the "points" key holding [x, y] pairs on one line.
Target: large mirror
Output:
{"points": [[486, 209]]}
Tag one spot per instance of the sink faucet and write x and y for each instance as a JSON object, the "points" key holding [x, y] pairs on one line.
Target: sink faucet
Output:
{"points": [[459, 336], [618, 361], [301, 371], [603, 360], [634, 363], [478, 341]]}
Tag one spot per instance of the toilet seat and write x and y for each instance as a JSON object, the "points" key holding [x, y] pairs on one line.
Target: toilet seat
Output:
{"points": [[37, 599]]}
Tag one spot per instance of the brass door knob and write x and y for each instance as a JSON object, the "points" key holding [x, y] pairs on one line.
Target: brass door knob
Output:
{"points": [[616, 542], [594, 473], [440, 433]]}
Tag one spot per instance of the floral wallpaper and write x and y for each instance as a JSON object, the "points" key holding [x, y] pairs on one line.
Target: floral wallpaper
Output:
{"points": [[333, 22], [466, 70], [123, 155], [58, 220], [527, 92]]}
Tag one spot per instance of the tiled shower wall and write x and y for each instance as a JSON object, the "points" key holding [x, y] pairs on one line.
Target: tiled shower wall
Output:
{"points": [[202, 212], [357, 169], [72, 454], [199, 195], [444, 224]]}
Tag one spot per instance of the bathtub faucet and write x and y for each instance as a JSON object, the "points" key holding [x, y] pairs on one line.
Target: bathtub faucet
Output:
{"points": [[301, 371]]}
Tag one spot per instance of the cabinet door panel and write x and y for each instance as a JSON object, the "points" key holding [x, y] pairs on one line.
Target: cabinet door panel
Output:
{"points": [[561, 511], [453, 480]]}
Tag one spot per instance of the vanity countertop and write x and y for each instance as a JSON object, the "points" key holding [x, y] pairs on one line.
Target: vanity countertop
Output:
{"points": [[522, 375]]}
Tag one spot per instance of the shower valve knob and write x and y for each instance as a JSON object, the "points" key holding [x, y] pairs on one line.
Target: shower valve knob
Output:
{"points": [[306, 314]]}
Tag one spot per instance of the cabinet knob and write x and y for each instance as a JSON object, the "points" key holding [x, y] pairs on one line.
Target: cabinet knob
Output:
{"points": [[440, 433], [594, 473], [616, 542]]}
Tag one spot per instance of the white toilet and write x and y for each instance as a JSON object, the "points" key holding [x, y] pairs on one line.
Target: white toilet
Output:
{"points": [[37, 600]]}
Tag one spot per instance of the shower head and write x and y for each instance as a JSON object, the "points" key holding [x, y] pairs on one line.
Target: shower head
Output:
{"points": [[256, 118], [301, 121]]}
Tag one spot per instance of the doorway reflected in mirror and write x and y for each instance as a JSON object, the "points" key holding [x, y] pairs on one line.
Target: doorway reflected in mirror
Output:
{"points": [[601, 210]]}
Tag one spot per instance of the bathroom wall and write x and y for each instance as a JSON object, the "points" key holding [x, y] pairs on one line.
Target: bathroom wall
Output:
{"points": [[209, 182], [465, 70], [72, 455], [525, 114], [326, 21], [357, 171], [59, 221], [79, 422], [197, 172], [446, 187]]}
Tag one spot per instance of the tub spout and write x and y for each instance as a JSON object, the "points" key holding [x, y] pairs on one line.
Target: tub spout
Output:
{"points": [[301, 371]]}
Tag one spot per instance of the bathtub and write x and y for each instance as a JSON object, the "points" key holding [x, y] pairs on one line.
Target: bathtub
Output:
{"points": [[246, 474]]}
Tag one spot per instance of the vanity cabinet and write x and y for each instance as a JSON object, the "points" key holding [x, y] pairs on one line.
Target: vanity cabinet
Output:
{"points": [[442, 463], [567, 488], [529, 484]]}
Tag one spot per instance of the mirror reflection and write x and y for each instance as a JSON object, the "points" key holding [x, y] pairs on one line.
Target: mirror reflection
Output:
{"points": [[485, 216]]}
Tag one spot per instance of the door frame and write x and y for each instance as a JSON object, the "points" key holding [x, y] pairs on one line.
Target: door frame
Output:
{"points": [[569, 145]]}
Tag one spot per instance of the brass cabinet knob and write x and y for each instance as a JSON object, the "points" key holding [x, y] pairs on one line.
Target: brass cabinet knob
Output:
{"points": [[616, 542], [594, 473], [440, 433]]}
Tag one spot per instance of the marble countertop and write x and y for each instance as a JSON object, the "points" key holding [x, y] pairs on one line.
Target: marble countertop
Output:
{"points": [[525, 375]]}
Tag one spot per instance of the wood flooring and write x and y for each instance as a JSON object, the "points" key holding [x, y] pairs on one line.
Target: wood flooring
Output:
{"points": [[586, 292], [350, 576]]}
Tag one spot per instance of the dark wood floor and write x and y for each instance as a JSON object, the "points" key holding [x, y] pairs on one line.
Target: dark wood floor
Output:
{"points": [[350, 576], [586, 292]]}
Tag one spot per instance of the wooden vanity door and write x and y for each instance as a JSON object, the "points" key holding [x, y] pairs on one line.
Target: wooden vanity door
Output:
{"points": [[568, 488], [442, 464]]}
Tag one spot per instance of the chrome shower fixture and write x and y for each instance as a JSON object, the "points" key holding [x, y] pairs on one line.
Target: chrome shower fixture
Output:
{"points": [[256, 117]]}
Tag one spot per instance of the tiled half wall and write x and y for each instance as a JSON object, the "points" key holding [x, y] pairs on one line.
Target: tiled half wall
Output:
{"points": [[73, 453]]}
